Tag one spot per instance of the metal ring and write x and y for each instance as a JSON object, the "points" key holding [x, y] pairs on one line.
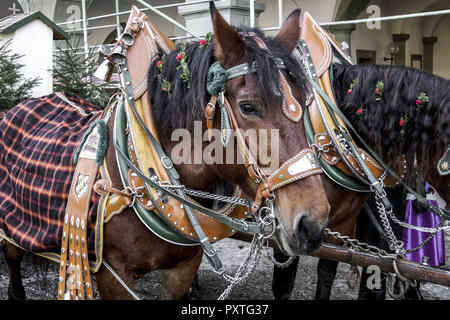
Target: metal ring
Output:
{"points": [[353, 270]]}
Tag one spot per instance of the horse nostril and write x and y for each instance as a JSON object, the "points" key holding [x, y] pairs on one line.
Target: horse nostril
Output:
{"points": [[306, 230], [302, 230]]}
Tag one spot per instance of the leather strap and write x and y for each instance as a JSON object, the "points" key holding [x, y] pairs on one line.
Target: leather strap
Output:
{"points": [[74, 272]]}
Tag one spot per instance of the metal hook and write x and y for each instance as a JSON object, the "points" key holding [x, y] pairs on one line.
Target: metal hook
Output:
{"points": [[390, 287]]}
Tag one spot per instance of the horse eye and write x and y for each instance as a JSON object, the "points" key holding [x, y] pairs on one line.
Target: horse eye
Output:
{"points": [[248, 108]]}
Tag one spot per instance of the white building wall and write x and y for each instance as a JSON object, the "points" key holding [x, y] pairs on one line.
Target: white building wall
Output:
{"points": [[322, 11], [35, 42]]}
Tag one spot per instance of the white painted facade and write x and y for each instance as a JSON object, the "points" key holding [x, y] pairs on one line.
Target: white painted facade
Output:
{"points": [[35, 42], [363, 38]]}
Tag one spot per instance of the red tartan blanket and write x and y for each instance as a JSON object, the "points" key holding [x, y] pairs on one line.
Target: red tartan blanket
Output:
{"points": [[38, 139]]}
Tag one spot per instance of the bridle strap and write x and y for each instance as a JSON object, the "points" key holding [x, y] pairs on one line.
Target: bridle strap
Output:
{"points": [[292, 109], [300, 166]]}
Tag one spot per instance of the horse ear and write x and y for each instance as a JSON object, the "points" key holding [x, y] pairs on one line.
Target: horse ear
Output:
{"points": [[289, 34], [230, 49]]}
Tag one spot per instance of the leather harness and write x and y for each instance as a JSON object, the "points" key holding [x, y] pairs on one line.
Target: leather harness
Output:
{"points": [[300, 166], [159, 190]]}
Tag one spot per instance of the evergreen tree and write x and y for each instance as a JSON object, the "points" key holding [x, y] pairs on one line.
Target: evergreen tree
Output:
{"points": [[14, 87], [72, 72]]}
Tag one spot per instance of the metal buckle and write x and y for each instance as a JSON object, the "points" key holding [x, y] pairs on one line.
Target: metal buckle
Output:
{"points": [[169, 164], [213, 111]]}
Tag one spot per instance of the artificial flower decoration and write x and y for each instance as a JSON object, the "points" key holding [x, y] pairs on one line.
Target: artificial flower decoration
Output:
{"points": [[160, 64], [204, 43], [182, 59], [421, 101], [360, 111], [403, 122], [350, 90], [380, 89], [165, 86]]}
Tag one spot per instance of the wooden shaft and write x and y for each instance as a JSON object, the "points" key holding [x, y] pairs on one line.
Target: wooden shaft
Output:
{"points": [[409, 269]]}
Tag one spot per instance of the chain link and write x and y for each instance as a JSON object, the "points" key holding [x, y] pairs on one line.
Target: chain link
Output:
{"points": [[212, 196], [357, 245], [281, 265], [246, 268], [394, 244]]}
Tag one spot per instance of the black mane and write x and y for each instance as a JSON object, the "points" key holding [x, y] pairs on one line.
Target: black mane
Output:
{"points": [[427, 131], [186, 105]]}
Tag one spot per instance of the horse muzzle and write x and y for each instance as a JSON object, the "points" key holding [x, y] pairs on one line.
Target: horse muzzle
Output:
{"points": [[305, 238]]}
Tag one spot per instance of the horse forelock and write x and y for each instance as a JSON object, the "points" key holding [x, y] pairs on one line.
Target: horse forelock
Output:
{"points": [[427, 130], [185, 105]]}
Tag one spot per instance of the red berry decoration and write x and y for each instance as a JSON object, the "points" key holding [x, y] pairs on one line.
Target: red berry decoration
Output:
{"points": [[360, 111], [403, 122], [179, 56], [421, 101], [352, 85], [159, 63], [202, 42], [379, 90]]}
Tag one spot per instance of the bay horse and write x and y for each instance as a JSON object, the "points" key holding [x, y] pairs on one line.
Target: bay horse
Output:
{"points": [[423, 139], [256, 101]]}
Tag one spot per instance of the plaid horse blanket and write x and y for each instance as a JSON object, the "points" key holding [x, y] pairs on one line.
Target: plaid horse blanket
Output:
{"points": [[38, 139]]}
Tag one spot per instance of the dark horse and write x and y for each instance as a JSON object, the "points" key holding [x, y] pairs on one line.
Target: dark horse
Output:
{"points": [[423, 141], [129, 247]]}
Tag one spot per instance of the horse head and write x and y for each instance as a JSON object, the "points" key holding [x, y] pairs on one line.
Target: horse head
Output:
{"points": [[258, 101], [254, 95]]}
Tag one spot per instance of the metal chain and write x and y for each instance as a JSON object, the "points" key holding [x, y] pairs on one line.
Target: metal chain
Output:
{"points": [[111, 270], [246, 267], [421, 229], [357, 245], [430, 236], [394, 244], [207, 195]]}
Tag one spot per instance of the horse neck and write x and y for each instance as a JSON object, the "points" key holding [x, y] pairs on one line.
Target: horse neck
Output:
{"points": [[427, 131], [194, 172]]}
